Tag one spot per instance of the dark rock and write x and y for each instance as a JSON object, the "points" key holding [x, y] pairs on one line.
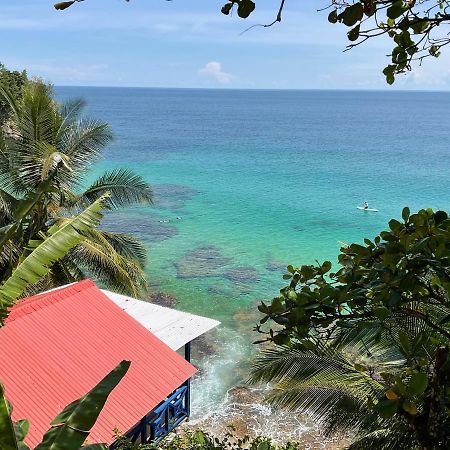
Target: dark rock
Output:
{"points": [[243, 394], [216, 289], [172, 196], [273, 265], [163, 299], [204, 345], [145, 227], [242, 275], [201, 262]]}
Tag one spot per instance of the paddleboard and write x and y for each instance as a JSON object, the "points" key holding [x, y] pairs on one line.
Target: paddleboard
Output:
{"points": [[367, 209]]}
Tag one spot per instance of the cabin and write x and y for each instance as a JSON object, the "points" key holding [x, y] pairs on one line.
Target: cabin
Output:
{"points": [[59, 344]]}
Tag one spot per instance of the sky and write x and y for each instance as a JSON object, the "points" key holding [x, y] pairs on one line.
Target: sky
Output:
{"points": [[181, 43]]}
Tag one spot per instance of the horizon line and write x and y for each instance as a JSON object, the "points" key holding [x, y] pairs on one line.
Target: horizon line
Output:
{"points": [[387, 89]]}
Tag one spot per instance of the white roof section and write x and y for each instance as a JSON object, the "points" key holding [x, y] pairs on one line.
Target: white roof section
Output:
{"points": [[175, 328]]}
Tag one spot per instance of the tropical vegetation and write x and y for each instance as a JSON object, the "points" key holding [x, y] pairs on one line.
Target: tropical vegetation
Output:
{"points": [[14, 81], [49, 234], [45, 142], [418, 29], [71, 427], [365, 348], [199, 440]]}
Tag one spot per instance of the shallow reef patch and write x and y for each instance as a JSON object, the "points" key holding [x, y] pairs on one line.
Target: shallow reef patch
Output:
{"points": [[145, 227], [201, 262], [171, 196]]}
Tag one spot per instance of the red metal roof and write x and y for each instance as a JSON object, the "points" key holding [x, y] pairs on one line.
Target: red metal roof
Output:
{"points": [[56, 346]]}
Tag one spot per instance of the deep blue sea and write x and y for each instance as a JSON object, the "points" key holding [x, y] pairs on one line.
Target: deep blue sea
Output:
{"points": [[247, 182]]}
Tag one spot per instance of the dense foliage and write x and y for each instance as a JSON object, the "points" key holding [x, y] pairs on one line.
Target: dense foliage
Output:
{"points": [[366, 348], [199, 440], [416, 28], [14, 82], [48, 233], [72, 426], [44, 141]]}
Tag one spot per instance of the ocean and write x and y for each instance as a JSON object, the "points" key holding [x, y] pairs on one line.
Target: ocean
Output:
{"points": [[248, 181]]}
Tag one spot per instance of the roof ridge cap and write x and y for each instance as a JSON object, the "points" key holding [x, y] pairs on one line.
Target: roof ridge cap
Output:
{"points": [[28, 305]]}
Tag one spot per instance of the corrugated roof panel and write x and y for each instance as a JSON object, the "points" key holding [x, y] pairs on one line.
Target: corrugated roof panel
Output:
{"points": [[57, 346], [175, 328]]}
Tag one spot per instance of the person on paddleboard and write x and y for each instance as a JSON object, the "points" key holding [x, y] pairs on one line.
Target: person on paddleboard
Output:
{"points": [[366, 205]]}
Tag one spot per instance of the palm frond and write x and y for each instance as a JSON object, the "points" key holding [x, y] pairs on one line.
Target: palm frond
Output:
{"points": [[126, 188], [396, 437], [124, 244], [7, 96], [70, 112], [9, 176], [335, 410], [83, 142], [7, 205], [284, 364], [35, 115], [98, 258], [323, 384]]}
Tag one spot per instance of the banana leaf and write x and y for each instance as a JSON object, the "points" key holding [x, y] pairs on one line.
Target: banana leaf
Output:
{"points": [[72, 426], [8, 439], [59, 240]]}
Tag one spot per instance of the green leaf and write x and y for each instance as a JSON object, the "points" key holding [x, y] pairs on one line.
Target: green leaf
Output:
{"points": [[245, 8], [410, 407], [21, 428], [444, 319], [388, 71], [353, 34], [226, 9], [418, 383], [387, 408], [71, 427], [352, 14], [63, 5], [382, 312], [326, 266], [396, 10], [24, 207], [419, 26], [8, 440], [395, 224], [333, 16], [440, 216], [406, 213]]}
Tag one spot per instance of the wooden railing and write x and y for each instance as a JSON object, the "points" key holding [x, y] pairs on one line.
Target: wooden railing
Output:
{"points": [[163, 419], [170, 414]]}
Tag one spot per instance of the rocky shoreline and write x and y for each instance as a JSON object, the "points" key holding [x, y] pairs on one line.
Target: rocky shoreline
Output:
{"points": [[246, 413], [243, 407]]}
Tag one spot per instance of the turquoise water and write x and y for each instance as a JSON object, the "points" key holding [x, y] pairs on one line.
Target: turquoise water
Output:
{"points": [[249, 181]]}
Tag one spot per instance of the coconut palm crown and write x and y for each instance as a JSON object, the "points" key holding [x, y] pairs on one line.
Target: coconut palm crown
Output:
{"points": [[45, 139]]}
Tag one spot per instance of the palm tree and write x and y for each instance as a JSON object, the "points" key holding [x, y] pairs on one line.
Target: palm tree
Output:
{"points": [[326, 383], [48, 141], [340, 380]]}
